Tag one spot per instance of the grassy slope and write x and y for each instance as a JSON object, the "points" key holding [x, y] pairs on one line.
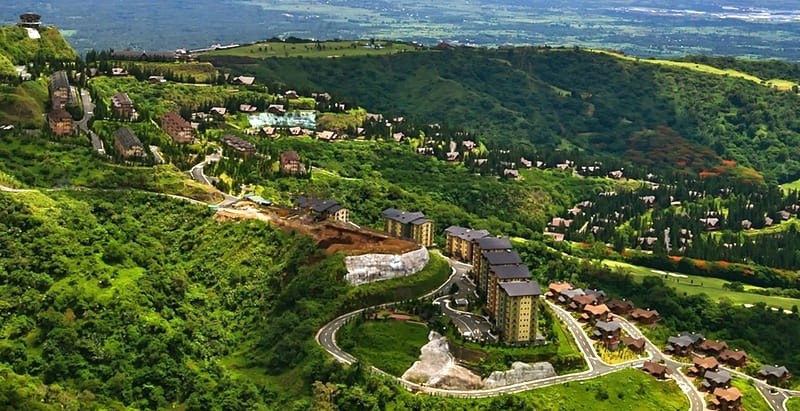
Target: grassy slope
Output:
{"points": [[38, 162], [628, 389], [24, 105], [15, 44], [710, 286], [310, 49], [784, 85], [751, 397], [390, 345], [793, 404], [200, 71], [518, 95]]}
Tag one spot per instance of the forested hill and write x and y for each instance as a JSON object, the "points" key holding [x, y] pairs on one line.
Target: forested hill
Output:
{"points": [[653, 114]]}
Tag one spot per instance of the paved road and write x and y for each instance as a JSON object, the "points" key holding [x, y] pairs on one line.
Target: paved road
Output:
{"points": [[198, 174], [83, 123], [477, 326]]}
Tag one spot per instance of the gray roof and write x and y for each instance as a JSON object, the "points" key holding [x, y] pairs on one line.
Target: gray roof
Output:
{"points": [[682, 341], [572, 293], [494, 243], [466, 233], [521, 288], [319, 206], [507, 272], [502, 257], [59, 80], [720, 377], [404, 217], [608, 326], [773, 371], [126, 137], [694, 337], [596, 293]]}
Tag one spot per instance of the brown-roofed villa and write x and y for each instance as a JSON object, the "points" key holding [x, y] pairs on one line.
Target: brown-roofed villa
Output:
{"points": [[645, 316], [727, 399], [655, 369], [734, 358], [712, 347], [620, 307], [290, 163], [596, 312], [179, 129], [703, 364]]}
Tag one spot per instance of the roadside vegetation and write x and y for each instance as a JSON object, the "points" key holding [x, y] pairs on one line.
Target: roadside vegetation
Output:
{"points": [[752, 400], [390, 345], [793, 404]]}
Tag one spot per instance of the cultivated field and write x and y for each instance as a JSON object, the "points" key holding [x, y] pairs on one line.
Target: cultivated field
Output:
{"points": [[314, 49]]}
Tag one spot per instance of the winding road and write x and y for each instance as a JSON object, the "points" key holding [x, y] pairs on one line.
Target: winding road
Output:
{"points": [[326, 337]]}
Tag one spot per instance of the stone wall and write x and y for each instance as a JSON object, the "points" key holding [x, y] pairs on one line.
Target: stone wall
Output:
{"points": [[367, 268]]}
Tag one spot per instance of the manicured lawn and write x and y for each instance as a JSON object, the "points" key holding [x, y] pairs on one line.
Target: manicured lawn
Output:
{"points": [[751, 398], [629, 389], [312, 49], [692, 284], [390, 345], [793, 404], [784, 85], [794, 185]]}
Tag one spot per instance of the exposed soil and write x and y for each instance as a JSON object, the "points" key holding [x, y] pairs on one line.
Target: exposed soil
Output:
{"points": [[331, 236]]}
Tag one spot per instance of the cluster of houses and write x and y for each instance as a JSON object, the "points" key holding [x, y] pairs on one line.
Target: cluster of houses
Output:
{"points": [[593, 309], [61, 94], [502, 280], [708, 358]]}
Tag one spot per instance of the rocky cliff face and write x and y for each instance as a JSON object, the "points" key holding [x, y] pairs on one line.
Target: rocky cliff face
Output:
{"points": [[376, 267], [520, 372], [437, 367]]}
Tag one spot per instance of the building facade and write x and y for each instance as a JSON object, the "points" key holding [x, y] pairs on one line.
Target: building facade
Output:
{"points": [[122, 106], [290, 163], [179, 129], [460, 241], [499, 275], [486, 244], [518, 312], [410, 225], [127, 143], [496, 259], [60, 91], [60, 122]]}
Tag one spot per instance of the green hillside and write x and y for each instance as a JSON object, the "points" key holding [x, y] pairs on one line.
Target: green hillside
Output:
{"points": [[20, 49], [24, 105], [594, 101]]}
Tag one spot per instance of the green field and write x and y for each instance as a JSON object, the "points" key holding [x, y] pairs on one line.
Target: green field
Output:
{"points": [[692, 284], [783, 85], [793, 404], [390, 345], [793, 185], [751, 398], [313, 49], [629, 389]]}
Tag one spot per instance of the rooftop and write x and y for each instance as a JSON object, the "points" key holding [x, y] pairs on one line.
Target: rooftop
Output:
{"points": [[494, 243], [521, 288], [404, 217], [729, 395], [127, 139], [506, 272], [466, 233], [608, 326], [319, 206], [502, 257]]}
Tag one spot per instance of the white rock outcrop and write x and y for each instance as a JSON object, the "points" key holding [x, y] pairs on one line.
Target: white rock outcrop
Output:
{"points": [[520, 372], [367, 268], [437, 367]]}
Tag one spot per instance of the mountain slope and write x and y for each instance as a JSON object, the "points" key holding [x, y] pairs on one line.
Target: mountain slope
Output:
{"points": [[550, 96]]}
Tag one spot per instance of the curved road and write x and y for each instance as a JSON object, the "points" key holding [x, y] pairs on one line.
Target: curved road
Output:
{"points": [[326, 337]]}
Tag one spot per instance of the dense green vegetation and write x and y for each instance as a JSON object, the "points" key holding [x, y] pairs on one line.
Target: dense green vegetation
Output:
{"points": [[368, 177], [38, 161], [17, 47], [793, 404], [751, 398], [716, 289], [23, 105], [517, 95], [390, 345]]}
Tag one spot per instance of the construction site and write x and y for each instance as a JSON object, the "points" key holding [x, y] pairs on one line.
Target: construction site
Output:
{"points": [[331, 236]]}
